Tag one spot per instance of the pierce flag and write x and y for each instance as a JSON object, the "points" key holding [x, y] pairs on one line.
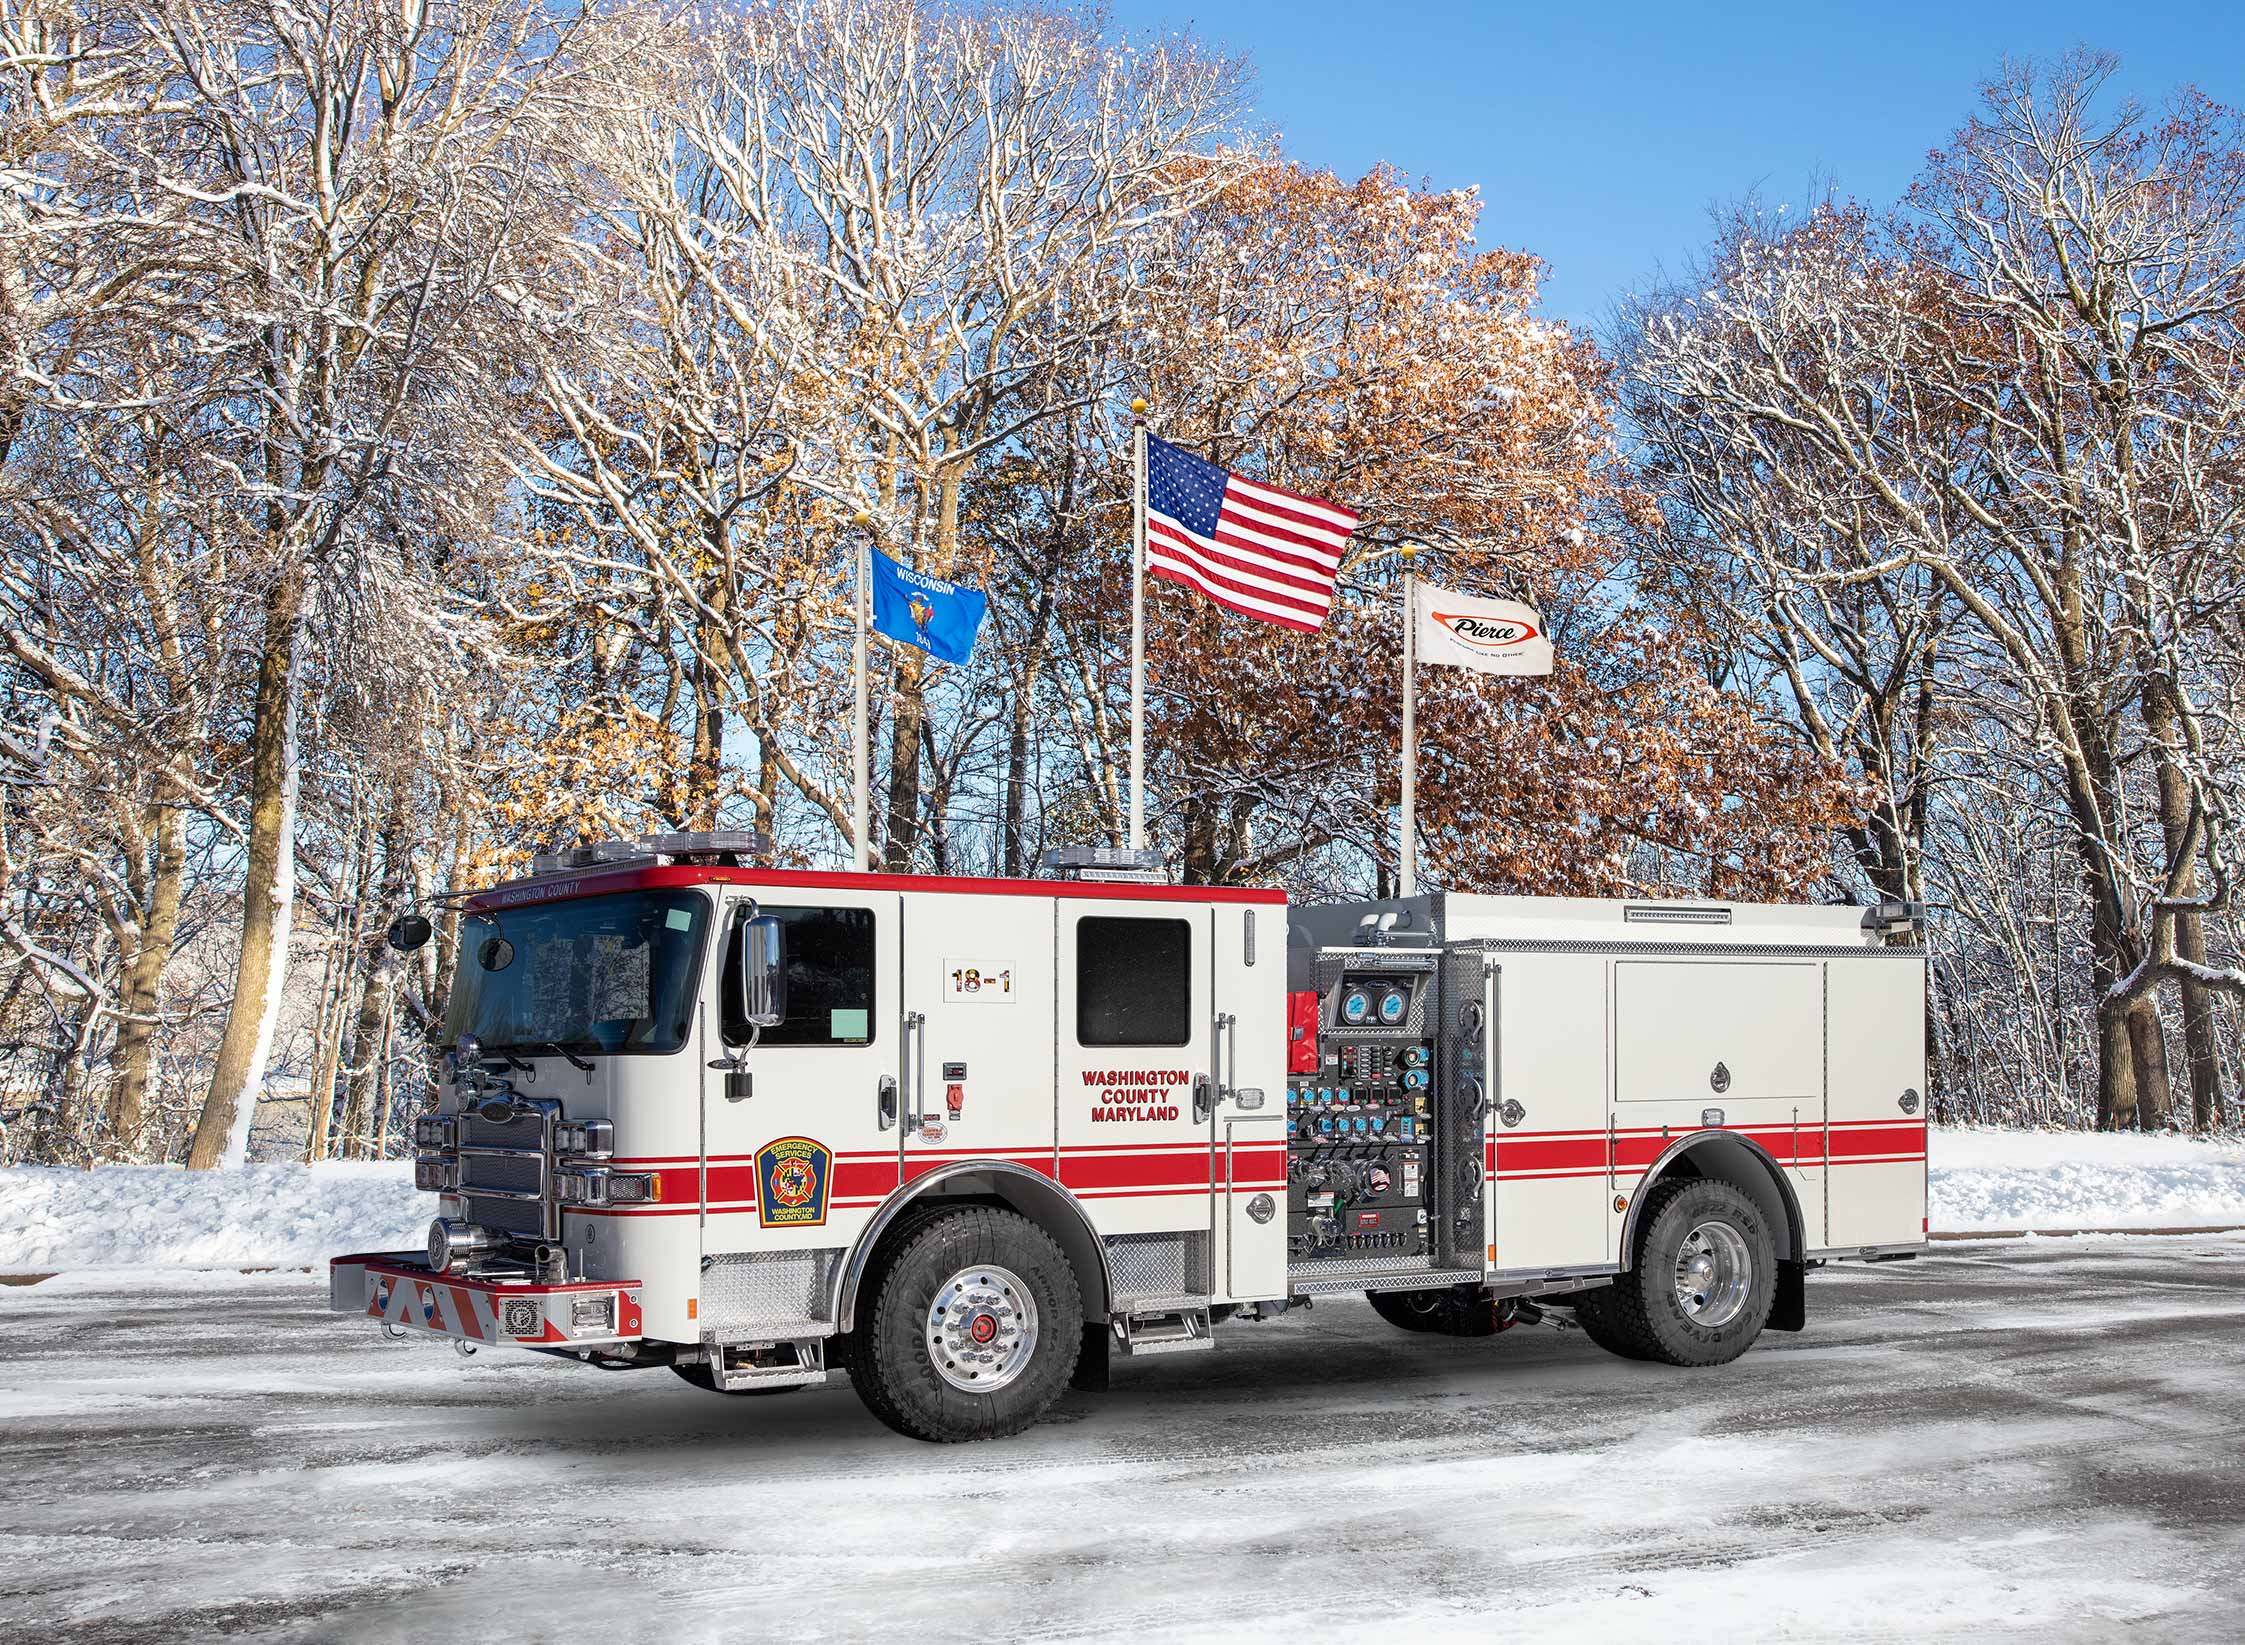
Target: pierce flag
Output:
{"points": [[1493, 636], [939, 617]]}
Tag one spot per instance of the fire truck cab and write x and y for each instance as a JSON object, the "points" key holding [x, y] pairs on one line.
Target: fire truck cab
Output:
{"points": [[967, 1139]]}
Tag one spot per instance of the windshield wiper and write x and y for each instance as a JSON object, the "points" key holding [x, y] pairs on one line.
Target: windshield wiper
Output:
{"points": [[559, 1049]]}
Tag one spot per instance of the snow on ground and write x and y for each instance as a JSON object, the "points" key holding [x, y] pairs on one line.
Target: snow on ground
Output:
{"points": [[121, 1216], [294, 1215], [2083, 1179], [1996, 1444]]}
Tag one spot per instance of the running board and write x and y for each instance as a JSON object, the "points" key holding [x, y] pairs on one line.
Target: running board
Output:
{"points": [[769, 1365], [1174, 1325], [1306, 1282]]}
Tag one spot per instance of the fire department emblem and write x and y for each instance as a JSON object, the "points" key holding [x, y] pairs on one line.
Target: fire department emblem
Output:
{"points": [[792, 1175]]}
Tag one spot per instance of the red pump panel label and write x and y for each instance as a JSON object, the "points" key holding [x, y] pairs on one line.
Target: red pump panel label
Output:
{"points": [[1301, 1032]]}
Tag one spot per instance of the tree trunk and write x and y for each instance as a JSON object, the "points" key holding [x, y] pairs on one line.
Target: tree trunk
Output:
{"points": [[2201, 1037], [268, 888], [705, 769], [135, 1053], [2147, 1045], [902, 826], [335, 981]]}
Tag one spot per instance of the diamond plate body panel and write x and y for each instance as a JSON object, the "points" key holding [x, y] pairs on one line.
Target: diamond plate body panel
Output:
{"points": [[775, 1289], [1158, 1265]]}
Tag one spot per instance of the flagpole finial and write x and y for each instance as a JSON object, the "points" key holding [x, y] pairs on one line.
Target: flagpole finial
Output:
{"points": [[862, 520], [1138, 408], [1409, 551]]}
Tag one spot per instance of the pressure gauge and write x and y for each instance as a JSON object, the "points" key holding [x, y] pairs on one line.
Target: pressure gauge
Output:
{"points": [[1356, 1007], [1395, 1005]]}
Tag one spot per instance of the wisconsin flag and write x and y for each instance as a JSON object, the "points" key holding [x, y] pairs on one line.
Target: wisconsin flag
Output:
{"points": [[939, 617], [1494, 636]]}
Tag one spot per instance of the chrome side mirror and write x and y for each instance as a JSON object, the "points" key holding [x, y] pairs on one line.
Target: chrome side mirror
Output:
{"points": [[763, 1001]]}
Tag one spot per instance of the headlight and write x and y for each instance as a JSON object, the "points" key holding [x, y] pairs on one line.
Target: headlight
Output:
{"points": [[453, 1242], [436, 1174], [433, 1132], [591, 1139], [592, 1313]]}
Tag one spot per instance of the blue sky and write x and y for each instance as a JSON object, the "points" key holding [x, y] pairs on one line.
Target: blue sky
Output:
{"points": [[1599, 136]]}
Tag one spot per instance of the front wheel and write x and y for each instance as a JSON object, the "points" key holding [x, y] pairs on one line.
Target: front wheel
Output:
{"points": [[973, 1330], [1701, 1288]]}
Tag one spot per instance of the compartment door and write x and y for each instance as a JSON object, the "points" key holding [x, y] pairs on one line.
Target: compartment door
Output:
{"points": [[1552, 1175], [1134, 1040], [1876, 1143], [1248, 947]]}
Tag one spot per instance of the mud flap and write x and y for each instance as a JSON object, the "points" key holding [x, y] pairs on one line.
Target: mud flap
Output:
{"points": [[1091, 1364], [1789, 1308]]}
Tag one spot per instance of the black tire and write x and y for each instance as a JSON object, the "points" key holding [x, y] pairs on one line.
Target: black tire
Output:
{"points": [[1408, 1310], [891, 1365], [1451, 1311], [1642, 1314], [701, 1376], [1592, 1314]]}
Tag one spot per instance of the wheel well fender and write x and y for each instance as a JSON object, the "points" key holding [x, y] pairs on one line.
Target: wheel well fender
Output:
{"points": [[985, 1182], [1728, 1157]]}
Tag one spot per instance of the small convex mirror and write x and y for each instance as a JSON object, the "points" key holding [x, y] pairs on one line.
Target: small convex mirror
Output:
{"points": [[763, 1001], [410, 931]]}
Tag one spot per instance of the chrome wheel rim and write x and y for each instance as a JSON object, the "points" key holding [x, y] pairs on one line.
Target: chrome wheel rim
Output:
{"points": [[1714, 1274], [982, 1329]]}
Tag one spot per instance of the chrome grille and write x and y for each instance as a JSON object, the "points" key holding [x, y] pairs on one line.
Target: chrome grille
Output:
{"points": [[520, 1129], [515, 1173], [509, 1216], [505, 1168]]}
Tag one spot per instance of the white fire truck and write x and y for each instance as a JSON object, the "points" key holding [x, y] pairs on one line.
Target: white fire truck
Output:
{"points": [[966, 1139]]}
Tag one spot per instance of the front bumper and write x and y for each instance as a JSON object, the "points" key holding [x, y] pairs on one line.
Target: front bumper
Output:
{"points": [[402, 1291]]}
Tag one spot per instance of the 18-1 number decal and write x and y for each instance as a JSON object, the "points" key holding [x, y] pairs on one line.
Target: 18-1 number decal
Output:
{"points": [[976, 982]]}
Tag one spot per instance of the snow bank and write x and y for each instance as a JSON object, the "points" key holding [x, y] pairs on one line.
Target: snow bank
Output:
{"points": [[252, 1217], [264, 1216], [2083, 1179]]}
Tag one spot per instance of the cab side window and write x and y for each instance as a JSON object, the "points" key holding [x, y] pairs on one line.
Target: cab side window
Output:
{"points": [[831, 994], [1134, 981]]}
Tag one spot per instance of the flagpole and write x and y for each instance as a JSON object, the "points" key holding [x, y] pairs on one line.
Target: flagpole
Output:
{"points": [[1410, 852], [1138, 625], [860, 781]]}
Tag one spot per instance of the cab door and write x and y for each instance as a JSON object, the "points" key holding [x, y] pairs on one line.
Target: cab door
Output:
{"points": [[797, 1155], [1134, 1063], [977, 1031]]}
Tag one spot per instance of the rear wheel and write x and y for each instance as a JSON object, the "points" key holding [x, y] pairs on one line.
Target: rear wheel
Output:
{"points": [[1702, 1284], [973, 1330]]}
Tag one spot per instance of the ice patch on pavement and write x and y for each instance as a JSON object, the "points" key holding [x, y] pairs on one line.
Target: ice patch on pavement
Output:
{"points": [[1985, 1179], [140, 1216]]}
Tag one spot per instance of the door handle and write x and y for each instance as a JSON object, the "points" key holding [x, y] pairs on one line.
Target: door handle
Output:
{"points": [[1511, 1112], [1227, 1054], [886, 1100], [1204, 1097], [916, 1044], [1907, 1102]]}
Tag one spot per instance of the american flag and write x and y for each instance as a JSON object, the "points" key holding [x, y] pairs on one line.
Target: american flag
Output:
{"points": [[1251, 548]]}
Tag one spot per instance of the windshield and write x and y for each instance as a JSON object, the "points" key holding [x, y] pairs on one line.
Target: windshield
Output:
{"points": [[594, 974]]}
